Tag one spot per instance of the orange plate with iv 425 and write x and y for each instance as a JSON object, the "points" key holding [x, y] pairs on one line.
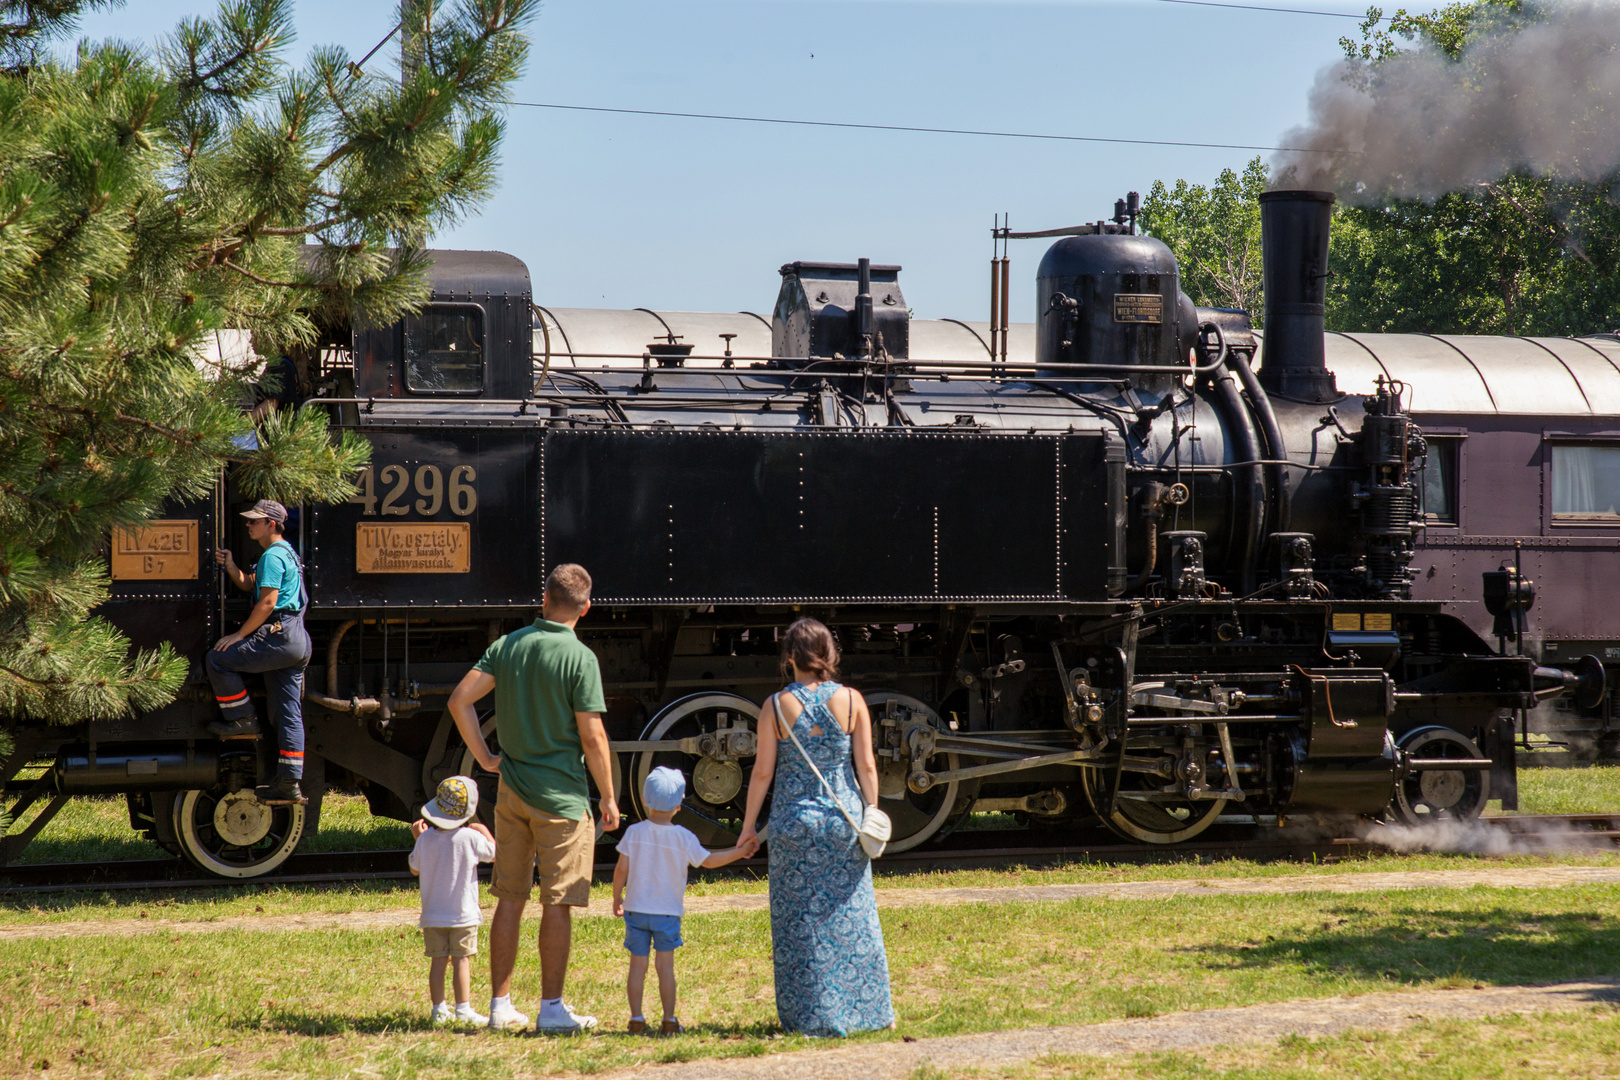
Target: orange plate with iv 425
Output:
{"points": [[155, 551]]}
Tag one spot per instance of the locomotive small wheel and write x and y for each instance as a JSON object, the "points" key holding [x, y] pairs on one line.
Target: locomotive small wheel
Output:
{"points": [[1440, 795], [489, 784], [1147, 822], [916, 817], [716, 788], [231, 834]]}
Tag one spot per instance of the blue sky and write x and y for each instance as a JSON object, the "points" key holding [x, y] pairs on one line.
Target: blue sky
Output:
{"points": [[622, 211]]}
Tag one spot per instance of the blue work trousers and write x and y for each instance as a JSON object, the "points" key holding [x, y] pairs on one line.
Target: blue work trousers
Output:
{"points": [[280, 650]]}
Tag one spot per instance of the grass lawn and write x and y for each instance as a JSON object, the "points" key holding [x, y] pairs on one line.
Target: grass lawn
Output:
{"points": [[1574, 1046], [337, 1003]]}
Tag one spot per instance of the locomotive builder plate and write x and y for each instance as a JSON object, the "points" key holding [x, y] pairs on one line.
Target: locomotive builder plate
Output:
{"points": [[155, 551], [1138, 308], [413, 548]]}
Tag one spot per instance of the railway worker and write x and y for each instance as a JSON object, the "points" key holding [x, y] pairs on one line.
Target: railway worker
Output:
{"points": [[548, 719], [271, 641]]}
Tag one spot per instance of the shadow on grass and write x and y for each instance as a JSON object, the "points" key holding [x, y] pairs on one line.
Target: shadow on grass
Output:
{"points": [[1503, 946], [92, 849], [161, 902], [320, 1024]]}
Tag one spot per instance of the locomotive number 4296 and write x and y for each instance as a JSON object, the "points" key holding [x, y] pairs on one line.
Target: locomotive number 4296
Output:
{"points": [[430, 487]]}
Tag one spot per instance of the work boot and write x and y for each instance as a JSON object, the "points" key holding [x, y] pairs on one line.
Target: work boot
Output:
{"points": [[282, 791], [235, 729]]}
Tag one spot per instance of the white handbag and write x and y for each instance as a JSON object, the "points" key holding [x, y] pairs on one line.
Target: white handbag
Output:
{"points": [[874, 828]]}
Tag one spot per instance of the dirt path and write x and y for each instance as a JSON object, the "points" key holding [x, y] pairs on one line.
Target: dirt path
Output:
{"points": [[1539, 877], [1390, 1011]]}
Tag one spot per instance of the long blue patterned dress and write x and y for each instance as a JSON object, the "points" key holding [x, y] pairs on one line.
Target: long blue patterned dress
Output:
{"points": [[832, 975]]}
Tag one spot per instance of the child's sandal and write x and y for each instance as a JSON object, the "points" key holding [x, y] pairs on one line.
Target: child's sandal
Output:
{"points": [[636, 1027], [672, 1027]]}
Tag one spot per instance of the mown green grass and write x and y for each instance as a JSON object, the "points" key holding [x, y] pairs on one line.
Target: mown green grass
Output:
{"points": [[1589, 789], [340, 1003], [1574, 1046]]}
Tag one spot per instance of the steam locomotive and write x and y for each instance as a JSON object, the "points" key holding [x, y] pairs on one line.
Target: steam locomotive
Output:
{"points": [[1105, 568]]}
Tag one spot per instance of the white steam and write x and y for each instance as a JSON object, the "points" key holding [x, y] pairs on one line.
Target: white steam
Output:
{"points": [[1506, 837], [1545, 98]]}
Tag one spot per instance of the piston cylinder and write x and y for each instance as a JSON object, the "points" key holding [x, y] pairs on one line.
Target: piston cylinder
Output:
{"points": [[82, 770]]}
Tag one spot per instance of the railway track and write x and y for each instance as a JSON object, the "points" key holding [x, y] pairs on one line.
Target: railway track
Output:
{"points": [[976, 850]]}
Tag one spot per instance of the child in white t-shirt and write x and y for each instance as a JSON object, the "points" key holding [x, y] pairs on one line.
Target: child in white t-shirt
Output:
{"points": [[649, 890], [446, 857]]}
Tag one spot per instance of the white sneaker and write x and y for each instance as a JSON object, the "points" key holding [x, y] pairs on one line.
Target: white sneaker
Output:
{"points": [[506, 1018], [563, 1021], [466, 1014], [442, 1014]]}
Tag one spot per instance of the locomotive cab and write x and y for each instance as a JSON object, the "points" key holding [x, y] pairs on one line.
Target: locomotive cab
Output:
{"points": [[471, 339]]}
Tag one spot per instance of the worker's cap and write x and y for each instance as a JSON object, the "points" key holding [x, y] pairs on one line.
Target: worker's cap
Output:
{"points": [[454, 805], [268, 508], [664, 789]]}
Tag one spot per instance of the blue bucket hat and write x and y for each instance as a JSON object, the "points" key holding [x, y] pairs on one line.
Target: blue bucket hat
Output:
{"points": [[664, 789]]}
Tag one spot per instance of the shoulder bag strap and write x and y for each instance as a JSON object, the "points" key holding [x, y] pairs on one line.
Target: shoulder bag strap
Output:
{"points": [[825, 786]]}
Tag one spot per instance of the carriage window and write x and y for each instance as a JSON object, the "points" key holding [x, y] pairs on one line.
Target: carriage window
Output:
{"points": [[1440, 482], [1585, 482], [444, 350]]}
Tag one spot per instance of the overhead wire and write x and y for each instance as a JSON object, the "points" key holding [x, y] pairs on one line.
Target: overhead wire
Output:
{"points": [[1282, 10], [926, 130]]}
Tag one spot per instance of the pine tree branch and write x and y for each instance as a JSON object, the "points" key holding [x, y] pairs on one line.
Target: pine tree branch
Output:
{"points": [[18, 676], [256, 279]]}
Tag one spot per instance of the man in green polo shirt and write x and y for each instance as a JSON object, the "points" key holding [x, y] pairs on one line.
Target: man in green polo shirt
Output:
{"points": [[548, 718]]}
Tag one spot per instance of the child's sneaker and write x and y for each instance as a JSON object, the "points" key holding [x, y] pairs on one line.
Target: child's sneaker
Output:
{"points": [[442, 1014], [506, 1018], [672, 1027], [562, 1021], [466, 1014]]}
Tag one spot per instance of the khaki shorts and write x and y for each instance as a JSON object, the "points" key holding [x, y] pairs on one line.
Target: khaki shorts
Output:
{"points": [[526, 838], [455, 941]]}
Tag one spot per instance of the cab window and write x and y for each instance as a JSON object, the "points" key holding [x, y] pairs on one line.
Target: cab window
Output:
{"points": [[1439, 492], [1585, 482], [444, 350]]}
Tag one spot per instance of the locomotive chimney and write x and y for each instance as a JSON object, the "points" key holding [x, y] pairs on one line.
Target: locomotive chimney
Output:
{"points": [[1294, 247]]}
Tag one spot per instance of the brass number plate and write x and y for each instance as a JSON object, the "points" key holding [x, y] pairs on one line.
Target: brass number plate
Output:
{"points": [[413, 548], [1347, 620], [1378, 621], [156, 551], [1138, 308]]}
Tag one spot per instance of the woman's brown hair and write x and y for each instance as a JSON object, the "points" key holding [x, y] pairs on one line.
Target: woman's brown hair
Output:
{"points": [[809, 644]]}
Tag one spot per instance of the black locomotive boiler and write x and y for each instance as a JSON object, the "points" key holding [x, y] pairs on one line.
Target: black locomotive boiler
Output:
{"points": [[1119, 575]]}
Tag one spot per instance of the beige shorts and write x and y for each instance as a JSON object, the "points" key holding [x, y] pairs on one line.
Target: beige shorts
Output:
{"points": [[455, 941], [527, 839]]}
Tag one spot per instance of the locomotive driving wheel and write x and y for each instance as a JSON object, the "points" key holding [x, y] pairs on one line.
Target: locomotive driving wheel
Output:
{"points": [[712, 744], [902, 739], [1142, 810], [231, 834], [1425, 796]]}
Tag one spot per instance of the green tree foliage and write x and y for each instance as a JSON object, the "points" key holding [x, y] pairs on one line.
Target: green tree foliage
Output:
{"points": [[1215, 234], [1522, 254], [151, 196]]}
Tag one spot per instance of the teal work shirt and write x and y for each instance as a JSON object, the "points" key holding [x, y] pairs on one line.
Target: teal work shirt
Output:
{"points": [[278, 570], [543, 676]]}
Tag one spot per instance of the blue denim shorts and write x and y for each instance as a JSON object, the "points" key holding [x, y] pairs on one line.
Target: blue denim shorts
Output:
{"points": [[661, 932]]}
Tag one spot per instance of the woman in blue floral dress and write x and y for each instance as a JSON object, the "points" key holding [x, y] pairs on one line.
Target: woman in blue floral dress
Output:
{"points": [[832, 975]]}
